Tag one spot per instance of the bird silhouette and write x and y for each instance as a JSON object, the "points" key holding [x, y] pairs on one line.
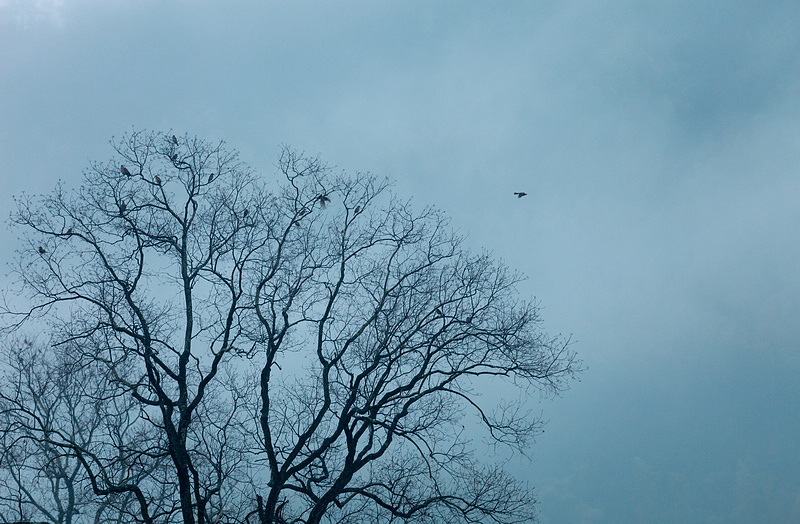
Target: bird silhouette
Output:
{"points": [[520, 194], [124, 171], [297, 223], [69, 231], [246, 212], [323, 199], [357, 210], [174, 157], [210, 178], [174, 140], [122, 207], [42, 250], [158, 180]]}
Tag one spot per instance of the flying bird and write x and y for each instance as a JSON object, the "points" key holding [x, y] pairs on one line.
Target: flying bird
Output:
{"points": [[323, 199], [520, 194], [42, 250], [174, 140], [124, 171], [158, 180]]}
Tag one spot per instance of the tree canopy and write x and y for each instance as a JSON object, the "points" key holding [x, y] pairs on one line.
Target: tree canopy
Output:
{"points": [[223, 346]]}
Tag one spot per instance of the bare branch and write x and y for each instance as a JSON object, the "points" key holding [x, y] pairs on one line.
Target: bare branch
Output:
{"points": [[225, 349]]}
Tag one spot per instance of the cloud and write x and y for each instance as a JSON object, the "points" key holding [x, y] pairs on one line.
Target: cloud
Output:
{"points": [[657, 143], [24, 14]]}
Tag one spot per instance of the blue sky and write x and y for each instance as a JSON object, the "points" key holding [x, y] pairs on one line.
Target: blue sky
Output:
{"points": [[659, 144]]}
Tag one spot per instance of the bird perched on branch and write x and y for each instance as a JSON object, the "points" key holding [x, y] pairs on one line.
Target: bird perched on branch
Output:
{"points": [[174, 157], [174, 140], [520, 194], [122, 207], [210, 178], [323, 199], [124, 171], [42, 250], [158, 180]]}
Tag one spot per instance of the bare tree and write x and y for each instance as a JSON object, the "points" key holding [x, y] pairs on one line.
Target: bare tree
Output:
{"points": [[399, 329], [50, 406], [141, 273], [303, 351]]}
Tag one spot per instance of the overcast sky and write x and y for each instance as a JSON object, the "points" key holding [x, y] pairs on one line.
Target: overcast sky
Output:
{"points": [[658, 142]]}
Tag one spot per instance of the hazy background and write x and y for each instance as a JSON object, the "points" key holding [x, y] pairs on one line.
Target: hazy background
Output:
{"points": [[658, 143]]}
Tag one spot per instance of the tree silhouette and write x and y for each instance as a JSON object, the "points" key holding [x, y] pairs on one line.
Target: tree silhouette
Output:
{"points": [[53, 403], [321, 373]]}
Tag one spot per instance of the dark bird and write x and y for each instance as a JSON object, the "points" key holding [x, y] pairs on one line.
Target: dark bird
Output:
{"points": [[357, 210], [174, 140], [246, 212], [520, 194], [210, 178], [42, 250], [174, 157], [124, 171], [158, 180], [323, 199], [69, 231], [297, 223]]}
